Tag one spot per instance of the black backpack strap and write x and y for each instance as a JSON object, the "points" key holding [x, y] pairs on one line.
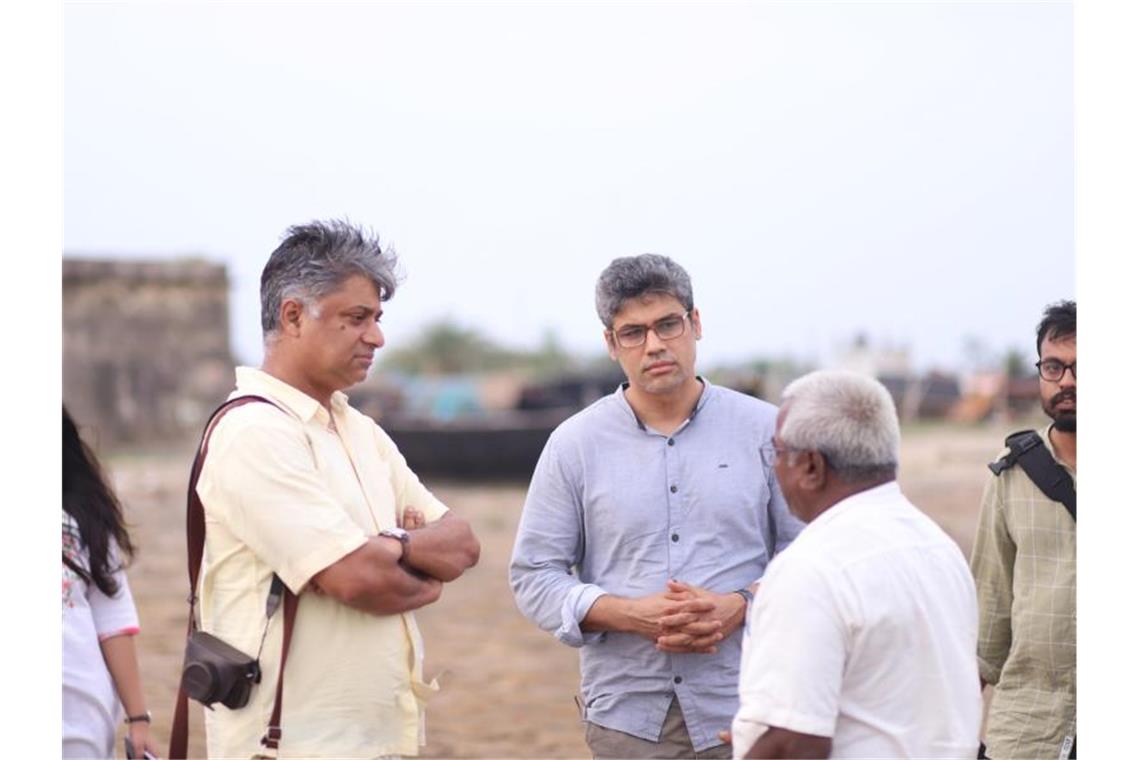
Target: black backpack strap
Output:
{"points": [[1028, 450]]}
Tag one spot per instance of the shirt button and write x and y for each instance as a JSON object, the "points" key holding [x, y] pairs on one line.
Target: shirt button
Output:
{"points": [[676, 679], [675, 537], [670, 441], [672, 489]]}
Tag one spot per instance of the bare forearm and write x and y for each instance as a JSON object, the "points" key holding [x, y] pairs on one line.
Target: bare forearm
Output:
{"points": [[615, 613], [443, 549], [372, 579], [402, 592], [781, 743], [122, 662]]}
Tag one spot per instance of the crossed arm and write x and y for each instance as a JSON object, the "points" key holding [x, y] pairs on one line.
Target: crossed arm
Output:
{"points": [[383, 578]]}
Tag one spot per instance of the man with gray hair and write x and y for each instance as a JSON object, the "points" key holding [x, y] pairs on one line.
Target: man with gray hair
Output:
{"points": [[310, 490], [861, 641], [649, 515]]}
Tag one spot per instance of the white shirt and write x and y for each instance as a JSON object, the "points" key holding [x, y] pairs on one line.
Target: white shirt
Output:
{"points": [[864, 630], [91, 709]]}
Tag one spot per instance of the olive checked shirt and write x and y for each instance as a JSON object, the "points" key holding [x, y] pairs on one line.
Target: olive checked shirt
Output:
{"points": [[1024, 564]]}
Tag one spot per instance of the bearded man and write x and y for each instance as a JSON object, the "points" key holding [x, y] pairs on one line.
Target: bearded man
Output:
{"points": [[1024, 564]]}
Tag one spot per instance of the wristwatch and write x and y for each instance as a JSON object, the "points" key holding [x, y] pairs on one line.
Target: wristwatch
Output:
{"points": [[400, 535], [747, 597], [144, 718]]}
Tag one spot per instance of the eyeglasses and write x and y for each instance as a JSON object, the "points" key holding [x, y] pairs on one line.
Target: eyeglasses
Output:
{"points": [[770, 451], [1053, 370], [666, 328]]}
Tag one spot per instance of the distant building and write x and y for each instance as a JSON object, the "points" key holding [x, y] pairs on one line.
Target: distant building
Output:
{"points": [[146, 351]]}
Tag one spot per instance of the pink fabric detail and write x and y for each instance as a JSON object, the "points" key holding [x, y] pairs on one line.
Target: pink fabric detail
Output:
{"points": [[130, 631]]}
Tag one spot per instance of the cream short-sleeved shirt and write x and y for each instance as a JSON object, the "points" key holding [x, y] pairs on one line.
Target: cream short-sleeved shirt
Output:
{"points": [[291, 490], [864, 630]]}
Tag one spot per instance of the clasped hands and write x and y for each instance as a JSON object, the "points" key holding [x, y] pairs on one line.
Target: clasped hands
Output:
{"points": [[689, 619]]}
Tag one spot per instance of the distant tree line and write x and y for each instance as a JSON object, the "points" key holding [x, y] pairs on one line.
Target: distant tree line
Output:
{"points": [[445, 347]]}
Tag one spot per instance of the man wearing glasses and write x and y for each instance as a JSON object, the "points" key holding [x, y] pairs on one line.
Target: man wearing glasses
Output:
{"points": [[649, 515], [1024, 565]]}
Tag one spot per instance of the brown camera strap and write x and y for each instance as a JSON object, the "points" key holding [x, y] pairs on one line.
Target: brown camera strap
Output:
{"points": [[195, 544]]}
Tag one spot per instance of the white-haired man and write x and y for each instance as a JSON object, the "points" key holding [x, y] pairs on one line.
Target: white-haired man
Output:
{"points": [[861, 639]]}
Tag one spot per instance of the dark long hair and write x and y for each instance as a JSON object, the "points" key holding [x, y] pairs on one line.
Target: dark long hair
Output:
{"points": [[88, 499]]}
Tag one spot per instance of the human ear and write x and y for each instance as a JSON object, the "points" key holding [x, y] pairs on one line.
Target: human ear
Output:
{"points": [[695, 318], [815, 472], [611, 347], [291, 312]]}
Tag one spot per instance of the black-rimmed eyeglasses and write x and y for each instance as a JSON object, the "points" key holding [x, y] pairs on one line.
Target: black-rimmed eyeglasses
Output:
{"points": [[1053, 370]]}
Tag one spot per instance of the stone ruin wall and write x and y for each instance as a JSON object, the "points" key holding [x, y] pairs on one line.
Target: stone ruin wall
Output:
{"points": [[146, 349]]}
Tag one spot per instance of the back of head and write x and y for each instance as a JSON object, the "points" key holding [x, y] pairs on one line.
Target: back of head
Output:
{"points": [[634, 276], [847, 417], [315, 259], [1059, 322]]}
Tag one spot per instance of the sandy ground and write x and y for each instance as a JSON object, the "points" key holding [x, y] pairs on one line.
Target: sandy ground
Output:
{"points": [[508, 688]]}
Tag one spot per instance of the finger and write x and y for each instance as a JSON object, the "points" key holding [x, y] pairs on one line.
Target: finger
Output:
{"points": [[678, 620], [679, 586], [724, 736], [684, 650], [702, 628], [705, 642], [674, 640], [697, 606]]}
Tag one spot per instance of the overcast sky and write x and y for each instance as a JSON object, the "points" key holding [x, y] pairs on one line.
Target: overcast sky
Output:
{"points": [[821, 170]]}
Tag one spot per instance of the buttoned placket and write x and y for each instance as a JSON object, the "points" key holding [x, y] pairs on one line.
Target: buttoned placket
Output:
{"points": [[675, 498]]}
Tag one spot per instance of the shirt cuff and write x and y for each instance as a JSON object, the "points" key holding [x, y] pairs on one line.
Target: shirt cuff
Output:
{"points": [[131, 630], [745, 733], [574, 608], [989, 673]]}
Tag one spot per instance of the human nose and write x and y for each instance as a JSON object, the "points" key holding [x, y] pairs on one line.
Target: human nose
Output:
{"points": [[1068, 376], [653, 342], [374, 336]]}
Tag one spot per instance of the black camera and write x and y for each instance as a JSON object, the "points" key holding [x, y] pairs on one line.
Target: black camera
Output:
{"points": [[214, 671]]}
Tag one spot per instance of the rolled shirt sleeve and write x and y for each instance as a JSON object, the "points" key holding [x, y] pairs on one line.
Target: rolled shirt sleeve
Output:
{"points": [[548, 546]]}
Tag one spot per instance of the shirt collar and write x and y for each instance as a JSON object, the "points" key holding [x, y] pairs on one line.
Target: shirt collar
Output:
{"points": [[866, 497], [304, 406], [1044, 434], [701, 401]]}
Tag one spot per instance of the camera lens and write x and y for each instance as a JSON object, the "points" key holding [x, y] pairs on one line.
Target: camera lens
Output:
{"points": [[199, 681]]}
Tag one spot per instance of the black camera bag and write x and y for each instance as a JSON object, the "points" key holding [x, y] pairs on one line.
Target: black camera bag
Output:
{"points": [[214, 671]]}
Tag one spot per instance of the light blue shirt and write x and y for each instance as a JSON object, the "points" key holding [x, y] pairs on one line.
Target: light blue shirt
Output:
{"points": [[615, 507]]}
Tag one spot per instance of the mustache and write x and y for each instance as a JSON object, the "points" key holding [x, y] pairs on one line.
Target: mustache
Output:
{"points": [[1063, 396]]}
